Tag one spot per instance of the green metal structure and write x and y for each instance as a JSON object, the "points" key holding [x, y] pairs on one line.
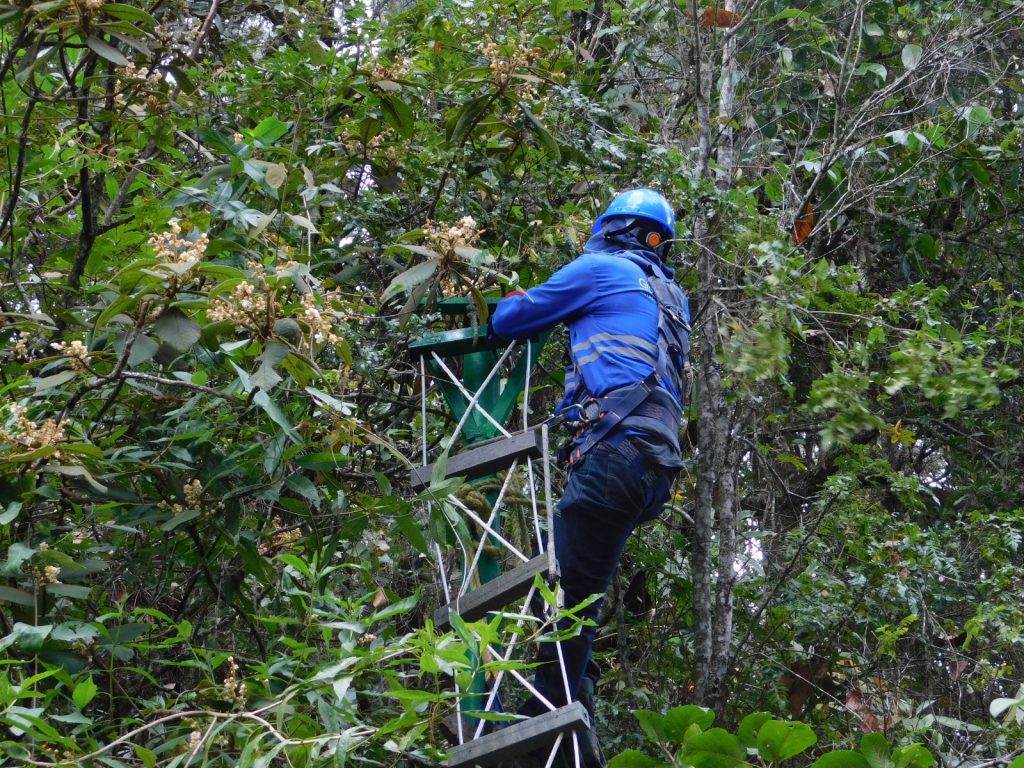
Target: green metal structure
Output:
{"points": [[477, 357]]}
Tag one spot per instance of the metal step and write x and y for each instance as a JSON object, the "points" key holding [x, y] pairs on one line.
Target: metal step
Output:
{"points": [[485, 458], [519, 738], [495, 594]]}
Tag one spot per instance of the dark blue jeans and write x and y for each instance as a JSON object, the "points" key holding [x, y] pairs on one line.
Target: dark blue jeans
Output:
{"points": [[614, 489]]}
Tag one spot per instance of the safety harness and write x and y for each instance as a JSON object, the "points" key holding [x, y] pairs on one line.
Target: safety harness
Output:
{"points": [[652, 405]]}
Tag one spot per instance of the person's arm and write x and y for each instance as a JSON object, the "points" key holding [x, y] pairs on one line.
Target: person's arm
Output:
{"points": [[565, 293]]}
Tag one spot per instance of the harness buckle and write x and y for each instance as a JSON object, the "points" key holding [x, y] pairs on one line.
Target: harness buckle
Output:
{"points": [[579, 415]]}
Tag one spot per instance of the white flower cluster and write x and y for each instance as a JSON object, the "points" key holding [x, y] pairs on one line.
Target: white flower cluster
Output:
{"points": [[250, 306], [321, 328], [76, 351], [21, 345], [172, 248], [281, 538], [33, 436], [90, 7], [194, 494], [446, 238], [193, 500], [355, 145], [234, 689], [503, 66], [396, 70], [130, 73]]}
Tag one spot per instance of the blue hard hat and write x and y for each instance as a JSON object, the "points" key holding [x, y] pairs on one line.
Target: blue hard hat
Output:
{"points": [[645, 203]]}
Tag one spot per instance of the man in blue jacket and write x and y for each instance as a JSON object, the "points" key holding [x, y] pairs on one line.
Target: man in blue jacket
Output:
{"points": [[628, 328]]}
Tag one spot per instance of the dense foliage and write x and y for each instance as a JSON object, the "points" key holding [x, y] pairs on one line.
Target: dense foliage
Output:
{"points": [[221, 224]]}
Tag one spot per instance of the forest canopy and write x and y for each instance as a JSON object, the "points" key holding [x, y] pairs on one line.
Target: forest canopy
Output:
{"points": [[222, 224]]}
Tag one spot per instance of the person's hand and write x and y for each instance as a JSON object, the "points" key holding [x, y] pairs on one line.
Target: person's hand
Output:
{"points": [[516, 292]]}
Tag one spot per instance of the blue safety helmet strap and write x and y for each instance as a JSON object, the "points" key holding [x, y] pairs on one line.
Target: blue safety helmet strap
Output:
{"points": [[645, 203]]}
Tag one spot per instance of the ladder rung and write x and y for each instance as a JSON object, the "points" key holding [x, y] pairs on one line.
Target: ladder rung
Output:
{"points": [[485, 458], [494, 594], [519, 738]]}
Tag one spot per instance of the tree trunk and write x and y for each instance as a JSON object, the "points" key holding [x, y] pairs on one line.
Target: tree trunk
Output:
{"points": [[717, 449]]}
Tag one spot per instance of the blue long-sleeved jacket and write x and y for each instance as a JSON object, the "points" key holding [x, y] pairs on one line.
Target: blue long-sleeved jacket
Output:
{"points": [[605, 300]]}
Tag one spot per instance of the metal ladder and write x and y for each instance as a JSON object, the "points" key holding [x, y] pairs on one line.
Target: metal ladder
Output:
{"points": [[475, 586]]}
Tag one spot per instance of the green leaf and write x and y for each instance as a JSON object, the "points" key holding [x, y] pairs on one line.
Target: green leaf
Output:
{"points": [[398, 115], [176, 329], [916, 756], [439, 470], [303, 486], [270, 130], [749, 726], [843, 758], [147, 756], [17, 596], [76, 470], [716, 748], [17, 554], [49, 382], [27, 637], [467, 119], [84, 692], [262, 399], [874, 68], [409, 279], [410, 528], [780, 740], [128, 12], [1017, 763], [652, 723], [998, 706], [332, 403], [10, 13], [295, 562], [10, 514], [265, 377], [303, 222], [678, 720], [143, 349], [180, 519], [276, 175], [980, 114], [543, 134], [74, 591], [402, 606], [911, 55], [876, 749], [106, 51], [634, 758]]}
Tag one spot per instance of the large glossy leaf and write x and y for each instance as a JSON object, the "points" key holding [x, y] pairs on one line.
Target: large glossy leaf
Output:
{"points": [[107, 51], [177, 329], [412, 277], [779, 740]]}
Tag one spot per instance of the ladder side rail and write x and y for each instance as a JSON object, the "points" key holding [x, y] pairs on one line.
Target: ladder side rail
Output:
{"points": [[526, 384]]}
